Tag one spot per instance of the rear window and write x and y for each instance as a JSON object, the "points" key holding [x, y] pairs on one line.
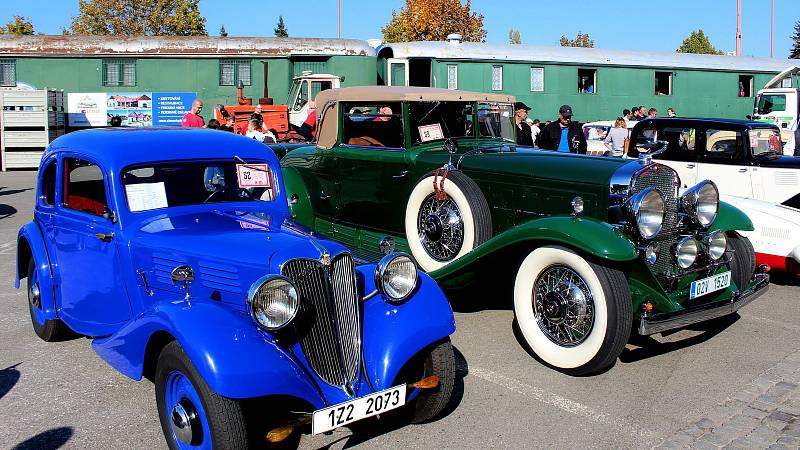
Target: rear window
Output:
{"points": [[180, 184], [765, 140]]}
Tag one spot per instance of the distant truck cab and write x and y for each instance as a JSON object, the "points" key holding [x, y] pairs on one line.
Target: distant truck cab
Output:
{"points": [[777, 102]]}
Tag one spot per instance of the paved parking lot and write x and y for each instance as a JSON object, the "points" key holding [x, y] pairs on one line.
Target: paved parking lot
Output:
{"points": [[732, 383]]}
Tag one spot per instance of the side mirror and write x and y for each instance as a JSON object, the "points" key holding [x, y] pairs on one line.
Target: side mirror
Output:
{"points": [[109, 215], [749, 117]]}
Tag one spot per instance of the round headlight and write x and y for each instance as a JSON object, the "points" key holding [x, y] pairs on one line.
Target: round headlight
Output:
{"points": [[701, 203], [273, 301], [717, 244], [396, 276], [686, 252], [647, 208]]}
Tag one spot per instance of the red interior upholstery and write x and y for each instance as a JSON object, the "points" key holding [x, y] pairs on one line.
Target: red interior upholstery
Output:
{"points": [[85, 204]]}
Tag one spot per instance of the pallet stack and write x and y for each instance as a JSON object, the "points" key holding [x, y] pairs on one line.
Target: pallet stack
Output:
{"points": [[30, 120]]}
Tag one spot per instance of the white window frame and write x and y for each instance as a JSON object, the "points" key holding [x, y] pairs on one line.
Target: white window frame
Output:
{"points": [[452, 81], [11, 64], [499, 86], [539, 88]]}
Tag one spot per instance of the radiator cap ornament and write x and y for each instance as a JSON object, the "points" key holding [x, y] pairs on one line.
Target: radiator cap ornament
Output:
{"points": [[326, 259]]}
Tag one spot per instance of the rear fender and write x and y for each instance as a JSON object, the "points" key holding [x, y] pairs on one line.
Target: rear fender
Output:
{"points": [[395, 333], [235, 359], [30, 243], [730, 218], [587, 235]]}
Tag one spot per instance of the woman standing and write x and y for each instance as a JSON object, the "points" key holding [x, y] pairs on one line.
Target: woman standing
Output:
{"points": [[615, 139]]}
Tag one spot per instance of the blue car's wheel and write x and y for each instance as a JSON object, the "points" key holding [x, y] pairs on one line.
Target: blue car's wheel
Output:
{"points": [[438, 360], [47, 330], [192, 415]]}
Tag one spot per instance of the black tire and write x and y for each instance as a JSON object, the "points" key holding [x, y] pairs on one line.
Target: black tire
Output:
{"points": [[224, 416], [439, 361], [743, 259], [474, 214], [604, 337], [48, 330]]}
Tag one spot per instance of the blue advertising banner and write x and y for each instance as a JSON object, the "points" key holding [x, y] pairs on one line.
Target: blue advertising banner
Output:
{"points": [[169, 107]]}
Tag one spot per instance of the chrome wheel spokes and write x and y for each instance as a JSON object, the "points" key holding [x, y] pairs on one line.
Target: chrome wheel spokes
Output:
{"points": [[441, 228], [563, 306]]}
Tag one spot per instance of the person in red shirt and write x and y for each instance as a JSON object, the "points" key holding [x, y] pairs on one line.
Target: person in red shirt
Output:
{"points": [[193, 119], [309, 128]]}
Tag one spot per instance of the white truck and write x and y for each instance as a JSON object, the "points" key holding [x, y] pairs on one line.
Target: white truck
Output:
{"points": [[778, 102]]}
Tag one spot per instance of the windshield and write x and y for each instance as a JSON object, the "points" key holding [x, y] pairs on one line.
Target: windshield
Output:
{"points": [[195, 183], [432, 121], [768, 103], [496, 120], [764, 141]]}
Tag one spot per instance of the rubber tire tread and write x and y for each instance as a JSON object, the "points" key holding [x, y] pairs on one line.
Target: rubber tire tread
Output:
{"points": [[743, 263], [439, 361], [52, 330], [620, 320], [224, 416]]}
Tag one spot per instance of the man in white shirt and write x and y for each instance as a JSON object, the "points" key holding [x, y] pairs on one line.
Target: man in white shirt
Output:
{"points": [[535, 130]]}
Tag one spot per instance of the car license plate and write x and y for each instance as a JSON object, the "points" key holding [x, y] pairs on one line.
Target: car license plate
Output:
{"points": [[709, 285], [348, 412]]}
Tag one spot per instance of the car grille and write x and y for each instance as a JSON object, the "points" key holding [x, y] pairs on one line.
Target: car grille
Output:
{"points": [[330, 334], [665, 181]]}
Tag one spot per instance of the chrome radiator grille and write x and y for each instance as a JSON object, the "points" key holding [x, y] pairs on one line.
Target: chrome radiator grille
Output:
{"points": [[330, 333], [665, 180]]}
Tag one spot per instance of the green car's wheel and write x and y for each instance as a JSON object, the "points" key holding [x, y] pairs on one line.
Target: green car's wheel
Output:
{"points": [[743, 259], [439, 230], [575, 315]]}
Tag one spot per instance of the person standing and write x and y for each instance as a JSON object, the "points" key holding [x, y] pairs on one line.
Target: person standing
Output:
{"points": [[626, 114], [535, 130], [193, 119], [615, 139], [524, 135], [652, 114], [670, 112], [563, 135]]}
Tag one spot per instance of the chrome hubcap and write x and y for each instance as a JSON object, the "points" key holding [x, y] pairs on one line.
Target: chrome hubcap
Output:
{"points": [[185, 423], [563, 306], [441, 228], [35, 296]]}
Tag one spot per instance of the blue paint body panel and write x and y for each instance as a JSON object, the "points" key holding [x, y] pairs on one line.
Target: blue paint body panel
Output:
{"points": [[120, 293]]}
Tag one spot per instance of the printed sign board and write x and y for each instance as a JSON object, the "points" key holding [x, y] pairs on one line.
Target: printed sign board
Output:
{"points": [[86, 109], [136, 109], [170, 107]]}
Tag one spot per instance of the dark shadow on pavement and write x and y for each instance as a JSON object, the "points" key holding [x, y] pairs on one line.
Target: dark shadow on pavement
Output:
{"points": [[7, 211], [8, 379], [47, 440], [648, 347], [5, 191]]}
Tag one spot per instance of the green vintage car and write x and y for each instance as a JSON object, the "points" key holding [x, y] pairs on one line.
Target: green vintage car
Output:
{"points": [[592, 246]]}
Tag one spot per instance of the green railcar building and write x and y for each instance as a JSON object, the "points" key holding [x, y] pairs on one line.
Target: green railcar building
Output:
{"points": [[209, 66], [597, 83]]}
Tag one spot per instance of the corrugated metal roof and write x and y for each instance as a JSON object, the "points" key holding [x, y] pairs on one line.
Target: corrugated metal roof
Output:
{"points": [[177, 46], [585, 56]]}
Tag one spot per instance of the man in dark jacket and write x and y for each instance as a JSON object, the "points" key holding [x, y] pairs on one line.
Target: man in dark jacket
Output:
{"points": [[563, 135], [524, 136]]}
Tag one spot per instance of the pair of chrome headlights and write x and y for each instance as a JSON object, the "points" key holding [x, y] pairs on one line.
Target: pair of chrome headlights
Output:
{"points": [[700, 204], [274, 301], [688, 248]]}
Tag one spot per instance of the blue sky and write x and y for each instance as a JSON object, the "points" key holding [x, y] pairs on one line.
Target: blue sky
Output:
{"points": [[643, 25]]}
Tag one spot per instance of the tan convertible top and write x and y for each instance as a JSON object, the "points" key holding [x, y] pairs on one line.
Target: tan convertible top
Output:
{"points": [[328, 102]]}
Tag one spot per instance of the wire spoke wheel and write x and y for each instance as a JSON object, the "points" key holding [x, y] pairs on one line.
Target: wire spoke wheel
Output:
{"points": [[563, 306], [441, 228]]}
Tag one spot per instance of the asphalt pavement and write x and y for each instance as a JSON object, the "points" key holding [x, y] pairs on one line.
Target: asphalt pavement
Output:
{"points": [[669, 391]]}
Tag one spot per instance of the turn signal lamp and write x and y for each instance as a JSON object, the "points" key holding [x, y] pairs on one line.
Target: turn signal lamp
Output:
{"points": [[648, 307], [279, 434], [427, 382]]}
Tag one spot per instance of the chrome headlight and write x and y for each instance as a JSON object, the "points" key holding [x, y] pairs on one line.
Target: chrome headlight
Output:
{"points": [[686, 252], [701, 203], [273, 302], [647, 211], [396, 276], [717, 244]]}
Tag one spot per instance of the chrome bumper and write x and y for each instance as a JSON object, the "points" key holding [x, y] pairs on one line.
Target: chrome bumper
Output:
{"points": [[656, 323]]}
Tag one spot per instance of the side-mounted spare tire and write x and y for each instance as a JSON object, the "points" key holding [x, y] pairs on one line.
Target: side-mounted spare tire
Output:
{"points": [[442, 230], [743, 259]]}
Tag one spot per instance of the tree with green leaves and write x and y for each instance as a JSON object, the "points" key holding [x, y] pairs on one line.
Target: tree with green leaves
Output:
{"points": [[795, 51], [698, 42], [280, 29], [514, 37], [20, 25], [139, 18], [581, 40], [434, 20], [223, 32]]}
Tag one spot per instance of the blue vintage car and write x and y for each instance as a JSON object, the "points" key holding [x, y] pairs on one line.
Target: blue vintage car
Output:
{"points": [[174, 251]]}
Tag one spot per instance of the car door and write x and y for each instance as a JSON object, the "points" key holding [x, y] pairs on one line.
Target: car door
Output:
{"points": [[724, 161], [93, 300]]}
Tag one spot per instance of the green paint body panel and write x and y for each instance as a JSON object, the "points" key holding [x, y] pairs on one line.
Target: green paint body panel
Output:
{"points": [[730, 217]]}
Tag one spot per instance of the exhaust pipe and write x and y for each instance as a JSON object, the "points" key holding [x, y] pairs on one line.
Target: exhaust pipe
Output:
{"points": [[266, 99], [240, 95]]}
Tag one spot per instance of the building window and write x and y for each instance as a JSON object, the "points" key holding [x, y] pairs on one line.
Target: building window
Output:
{"points": [[745, 85], [663, 83], [587, 81], [8, 72], [119, 72], [452, 76], [232, 71], [497, 78], [537, 79]]}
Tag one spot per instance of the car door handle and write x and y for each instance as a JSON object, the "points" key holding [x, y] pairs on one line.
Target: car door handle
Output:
{"points": [[743, 170], [400, 175], [324, 197], [690, 166], [105, 237]]}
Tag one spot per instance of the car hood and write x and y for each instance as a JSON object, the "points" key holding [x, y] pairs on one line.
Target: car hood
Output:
{"points": [[759, 209]]}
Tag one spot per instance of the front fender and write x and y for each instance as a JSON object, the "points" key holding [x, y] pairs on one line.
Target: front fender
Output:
{"points": [[299, 199], [588, 235], [30, 243], [234, 358], [393, 334], [731, 218]]}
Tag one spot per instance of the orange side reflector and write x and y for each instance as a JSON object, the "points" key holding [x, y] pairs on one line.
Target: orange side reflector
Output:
{"points": [[427, 382], [648, 307], [767, 268], [280, 433]]}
